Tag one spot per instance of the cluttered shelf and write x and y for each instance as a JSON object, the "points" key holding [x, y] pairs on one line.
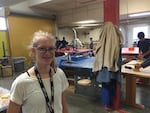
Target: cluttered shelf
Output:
{"points": [[4, 99], [9, 65]]}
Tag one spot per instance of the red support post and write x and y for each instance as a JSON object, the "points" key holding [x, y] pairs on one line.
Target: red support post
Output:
{"points": [[111, 13]]}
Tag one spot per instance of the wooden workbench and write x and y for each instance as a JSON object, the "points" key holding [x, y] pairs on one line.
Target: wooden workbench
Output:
{"points": [[131, 75]]}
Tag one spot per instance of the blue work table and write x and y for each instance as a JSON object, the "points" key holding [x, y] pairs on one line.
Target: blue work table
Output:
{"points": [[80, 69], [85, 63]]}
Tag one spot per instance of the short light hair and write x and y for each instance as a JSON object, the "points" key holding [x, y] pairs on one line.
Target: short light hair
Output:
{"points": [[38, 34]]}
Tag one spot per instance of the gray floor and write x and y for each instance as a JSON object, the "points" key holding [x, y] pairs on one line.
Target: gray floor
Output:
{"points": [[78, 103]]}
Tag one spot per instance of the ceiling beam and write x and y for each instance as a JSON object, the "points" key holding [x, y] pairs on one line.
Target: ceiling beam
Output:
{"points": [[37, 2]]}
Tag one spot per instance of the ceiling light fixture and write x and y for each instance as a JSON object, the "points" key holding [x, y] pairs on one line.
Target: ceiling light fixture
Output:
{"points": [[86, 21], [139, 14], [90, 25]]}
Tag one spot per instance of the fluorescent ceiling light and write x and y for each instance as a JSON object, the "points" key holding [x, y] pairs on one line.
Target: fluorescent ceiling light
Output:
{"points": [[139, 14], [89, 24], [86, 21]]}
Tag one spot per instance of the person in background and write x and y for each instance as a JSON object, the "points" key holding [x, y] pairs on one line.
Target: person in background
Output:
{"points": [[57, 43], [144, 46], [64, 43], [134, 44], [41, 89], [91, 46], [144, 64], [76, 43], [91, 43]]}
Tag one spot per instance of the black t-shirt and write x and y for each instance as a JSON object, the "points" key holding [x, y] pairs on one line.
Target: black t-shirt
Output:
{"points": [[58, 42], [146, 63], [64, 43], [144, 46], [91, 45]]}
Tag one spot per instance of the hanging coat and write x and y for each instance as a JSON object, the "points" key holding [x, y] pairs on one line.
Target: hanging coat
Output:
{"points": [[108, 48], [107, 55]]}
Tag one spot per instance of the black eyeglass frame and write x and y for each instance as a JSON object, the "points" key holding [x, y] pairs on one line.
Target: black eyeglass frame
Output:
{"points": [[44, 49]]}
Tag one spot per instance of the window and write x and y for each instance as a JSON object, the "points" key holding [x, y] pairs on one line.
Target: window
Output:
{"points": [[2, 23], [136, 30]]}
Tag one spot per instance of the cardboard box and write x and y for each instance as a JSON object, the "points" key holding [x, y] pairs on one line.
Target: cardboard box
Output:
{"points": [[7, 71]]}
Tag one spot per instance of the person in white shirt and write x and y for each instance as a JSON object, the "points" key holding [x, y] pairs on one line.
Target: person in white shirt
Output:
{"points": [[77, 43], [41, 89]]}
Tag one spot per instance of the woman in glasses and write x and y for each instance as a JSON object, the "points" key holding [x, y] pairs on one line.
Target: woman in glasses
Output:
{"points": [[41, 88]]}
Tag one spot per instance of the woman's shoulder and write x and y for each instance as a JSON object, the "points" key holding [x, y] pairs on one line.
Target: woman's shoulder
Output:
{"points": [[59, 71], [22, 78], [22, 75]]}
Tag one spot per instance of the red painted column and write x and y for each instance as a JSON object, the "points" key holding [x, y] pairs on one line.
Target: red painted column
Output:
{"points": [[111, 13]]}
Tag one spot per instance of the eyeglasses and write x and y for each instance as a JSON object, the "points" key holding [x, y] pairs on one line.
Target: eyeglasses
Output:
{"points": [[43, 49]]}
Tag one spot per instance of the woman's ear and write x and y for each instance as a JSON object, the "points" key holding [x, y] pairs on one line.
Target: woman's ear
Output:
{"points": [[33, 50]]}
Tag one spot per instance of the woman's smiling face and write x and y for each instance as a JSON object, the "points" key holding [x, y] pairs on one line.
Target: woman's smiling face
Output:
{"points": [[44, 50]]}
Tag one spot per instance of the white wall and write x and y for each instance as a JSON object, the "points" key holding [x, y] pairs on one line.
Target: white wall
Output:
{"points": [[124, 33], [134, 6], [129, 31], [91, 12], [85, 34], [67, 33], [94, 33], [2, 12], [95, 11]]}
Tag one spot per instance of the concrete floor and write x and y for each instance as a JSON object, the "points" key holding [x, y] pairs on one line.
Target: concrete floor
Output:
{"points": [[78, 103]]}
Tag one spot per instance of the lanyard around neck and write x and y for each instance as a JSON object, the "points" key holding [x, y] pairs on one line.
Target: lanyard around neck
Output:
{"points": [[49, 103]]}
